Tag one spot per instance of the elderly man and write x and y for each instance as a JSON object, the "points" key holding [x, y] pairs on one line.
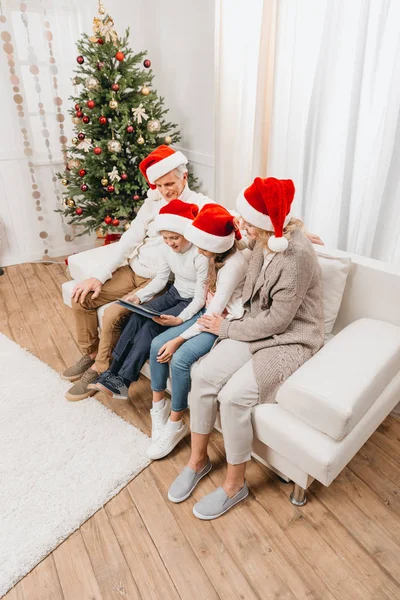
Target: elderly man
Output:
{"points": [[166, 172]]}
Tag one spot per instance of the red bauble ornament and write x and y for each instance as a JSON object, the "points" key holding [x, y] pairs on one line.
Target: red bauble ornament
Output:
{"points": [[81, 136], [130, 129], [77, 107], [110, 188], [91, 104], [79, 211], [82, 173], [84, 187], [115, 222], [108, 220], [136, 197], [115, 87], [97, 150], [100, 41], [124, 176], [85, 119], [80, 60], [100, 65], [147, 63], [103, 120], [79, 114], [120, 56]]}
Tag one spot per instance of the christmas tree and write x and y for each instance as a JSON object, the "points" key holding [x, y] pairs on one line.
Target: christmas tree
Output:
{"points": [[119, 119]]}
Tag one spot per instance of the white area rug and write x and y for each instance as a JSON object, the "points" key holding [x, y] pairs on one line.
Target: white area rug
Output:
{"points": [[60, 461]]}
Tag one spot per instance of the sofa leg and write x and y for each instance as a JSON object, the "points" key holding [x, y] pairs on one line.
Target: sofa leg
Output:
{"points": [[298, 496]]}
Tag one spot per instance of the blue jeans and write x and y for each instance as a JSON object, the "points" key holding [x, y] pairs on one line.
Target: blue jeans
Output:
{"points": [[179, 366]]}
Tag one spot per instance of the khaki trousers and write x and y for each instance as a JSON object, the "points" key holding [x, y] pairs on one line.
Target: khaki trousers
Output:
{"points": [[226, 376], [123, 281]]}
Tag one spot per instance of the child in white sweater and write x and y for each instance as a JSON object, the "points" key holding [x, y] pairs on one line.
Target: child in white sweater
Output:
{"points": [[174, 351], [183, 300]]}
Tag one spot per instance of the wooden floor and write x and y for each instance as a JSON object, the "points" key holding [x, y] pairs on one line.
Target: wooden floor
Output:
{"points": [[344, 544]]}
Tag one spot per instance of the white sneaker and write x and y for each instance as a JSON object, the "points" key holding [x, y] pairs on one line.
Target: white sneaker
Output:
{"points": [[159, 419], [167, 442]]}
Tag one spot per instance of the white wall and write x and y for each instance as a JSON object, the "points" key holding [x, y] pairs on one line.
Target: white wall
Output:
{"points": [[179, 38]]}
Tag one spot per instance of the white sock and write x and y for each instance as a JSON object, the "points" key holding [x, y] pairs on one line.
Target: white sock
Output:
{"points": [[159, 405], [174, 425]]}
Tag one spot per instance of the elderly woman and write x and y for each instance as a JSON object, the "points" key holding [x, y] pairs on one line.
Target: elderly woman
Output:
{"points": [[282, 327]]}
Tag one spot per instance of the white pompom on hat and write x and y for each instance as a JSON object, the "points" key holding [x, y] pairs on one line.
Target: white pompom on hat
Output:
{"points": [[266, 204]]}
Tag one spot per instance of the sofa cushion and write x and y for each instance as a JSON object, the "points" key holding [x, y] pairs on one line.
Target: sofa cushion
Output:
{"points": [[335, 266], [333, 390]]}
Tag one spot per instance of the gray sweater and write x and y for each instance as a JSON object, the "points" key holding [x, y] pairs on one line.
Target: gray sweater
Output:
{"points": [[283, 319]]}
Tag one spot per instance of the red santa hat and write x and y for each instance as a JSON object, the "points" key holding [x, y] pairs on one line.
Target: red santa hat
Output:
{"points": [[160, 162], [266, 204], [213, 229], [176, 216]]}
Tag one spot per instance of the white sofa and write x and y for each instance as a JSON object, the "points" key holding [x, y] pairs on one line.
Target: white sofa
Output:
{"points": [[328, 408]]}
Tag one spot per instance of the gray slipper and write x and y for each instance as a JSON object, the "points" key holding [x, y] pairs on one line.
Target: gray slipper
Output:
{"points": [[217, 503], [185, 483]]}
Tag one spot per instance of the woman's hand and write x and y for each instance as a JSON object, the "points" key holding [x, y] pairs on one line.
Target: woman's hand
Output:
{"points": [[132, 298], [314, 238], [166, 352], [168, 320], [210, 324]]}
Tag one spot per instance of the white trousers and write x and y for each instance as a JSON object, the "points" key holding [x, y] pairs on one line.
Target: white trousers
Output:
{"points": [[226, 376]]}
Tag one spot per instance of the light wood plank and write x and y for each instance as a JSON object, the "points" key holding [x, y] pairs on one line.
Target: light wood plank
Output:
{"points": [[148, 570], [75, 571], [187, 573], [326, 563], [108, 562], [387, 437], [227, 576], [119, 504], [15, 593], [366, 530], [42, 582]]}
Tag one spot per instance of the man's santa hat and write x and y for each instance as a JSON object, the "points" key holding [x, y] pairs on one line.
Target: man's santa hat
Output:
{"points": [[213, 229], [176, 216], [160, 162], [266, 204]]}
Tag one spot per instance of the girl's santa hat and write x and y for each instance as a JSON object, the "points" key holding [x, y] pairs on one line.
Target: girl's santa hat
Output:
{"points": [[214, 229], [160, 162], [176, 216], [266, 204]]}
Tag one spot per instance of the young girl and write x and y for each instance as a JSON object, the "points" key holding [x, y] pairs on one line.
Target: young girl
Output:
{"points": [[175, 350], [281, 328], [179, 304]]}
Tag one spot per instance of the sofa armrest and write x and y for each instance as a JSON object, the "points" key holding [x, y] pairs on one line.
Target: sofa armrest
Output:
{"points": [[81, 265], [333, 390]]}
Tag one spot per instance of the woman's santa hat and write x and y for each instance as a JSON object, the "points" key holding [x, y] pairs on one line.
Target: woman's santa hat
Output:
{"points": [[160, 162], [176, 216], [266, 204], [213, 229]]}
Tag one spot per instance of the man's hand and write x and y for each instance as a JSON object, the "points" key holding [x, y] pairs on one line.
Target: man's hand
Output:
{"points": [[166, 352], [82, 289], [168, 320], [314, 239], [132, 298], [210, 324]]}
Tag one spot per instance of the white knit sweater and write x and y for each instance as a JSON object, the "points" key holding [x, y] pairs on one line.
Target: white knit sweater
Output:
{"points": [[141, 245], [190, 269], [228, 293]]}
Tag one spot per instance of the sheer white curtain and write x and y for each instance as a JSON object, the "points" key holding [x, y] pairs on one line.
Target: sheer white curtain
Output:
{"points": [[336, 128], [37, 57], [335, 119], [244, 70]]}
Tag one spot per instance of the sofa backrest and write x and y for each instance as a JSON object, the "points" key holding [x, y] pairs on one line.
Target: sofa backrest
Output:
{"points": [[372, 290]]}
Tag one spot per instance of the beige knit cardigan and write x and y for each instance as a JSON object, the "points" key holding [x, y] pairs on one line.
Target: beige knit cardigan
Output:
{"points": [[283, 319]]}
